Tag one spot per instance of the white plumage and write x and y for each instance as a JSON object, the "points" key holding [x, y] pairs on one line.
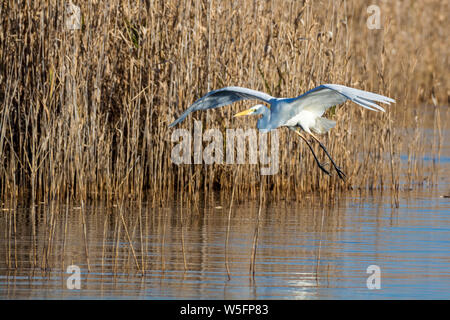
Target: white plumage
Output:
{"points": [[302, 112]]}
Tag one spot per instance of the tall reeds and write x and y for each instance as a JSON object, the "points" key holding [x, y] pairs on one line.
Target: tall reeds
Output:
{"points": [[84, 113]]}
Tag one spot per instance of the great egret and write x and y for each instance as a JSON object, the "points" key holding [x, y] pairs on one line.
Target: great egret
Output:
{"points": [[301, 113]]}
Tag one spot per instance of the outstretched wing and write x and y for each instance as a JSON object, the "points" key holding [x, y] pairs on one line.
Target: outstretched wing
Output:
{"points": [[223, 97], [319, 99]]}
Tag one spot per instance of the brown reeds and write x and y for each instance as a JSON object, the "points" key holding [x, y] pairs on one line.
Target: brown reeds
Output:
{"points": [[84, 113]]}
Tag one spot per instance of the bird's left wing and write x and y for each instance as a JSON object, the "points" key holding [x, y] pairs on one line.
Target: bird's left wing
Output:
{"points": [[319, 99], [223, 97]]}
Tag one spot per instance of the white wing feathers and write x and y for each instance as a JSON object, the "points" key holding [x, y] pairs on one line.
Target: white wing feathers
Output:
{"points": [[363, 98], [319, 99], [316, 101]]}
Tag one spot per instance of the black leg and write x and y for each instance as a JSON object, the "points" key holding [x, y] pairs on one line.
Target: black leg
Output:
{"points": [[314, 154], [340, 173]]}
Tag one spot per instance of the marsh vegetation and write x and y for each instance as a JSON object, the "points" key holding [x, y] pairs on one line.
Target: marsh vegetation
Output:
{"points": [[84, 113]]}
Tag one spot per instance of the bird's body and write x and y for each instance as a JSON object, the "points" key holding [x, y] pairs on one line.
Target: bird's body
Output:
{"points": [[304, 112]]}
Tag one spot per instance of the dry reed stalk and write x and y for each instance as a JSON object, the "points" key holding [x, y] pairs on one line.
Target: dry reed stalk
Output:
{"points": [[320, 245], [84, 228], [65, 231], [163, 241], [84, 112], [120, 208], [256, 232], [182, 223], [228, 229], [141, 235], [103, 243]]}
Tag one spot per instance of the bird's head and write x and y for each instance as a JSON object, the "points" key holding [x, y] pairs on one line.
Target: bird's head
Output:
{"points": [[258, 109]]}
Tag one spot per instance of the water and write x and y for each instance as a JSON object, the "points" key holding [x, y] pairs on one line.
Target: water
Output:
{"points": [[304, 251]]}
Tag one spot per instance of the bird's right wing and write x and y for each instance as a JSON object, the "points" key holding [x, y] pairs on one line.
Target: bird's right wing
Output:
{"points": [[223, 97]]}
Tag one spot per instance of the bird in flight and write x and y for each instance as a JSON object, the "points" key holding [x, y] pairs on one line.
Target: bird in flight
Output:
{"points": [[300, 114]]}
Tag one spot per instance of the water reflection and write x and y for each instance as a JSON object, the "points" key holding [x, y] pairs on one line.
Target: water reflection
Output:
{"points": [[304, 250]]}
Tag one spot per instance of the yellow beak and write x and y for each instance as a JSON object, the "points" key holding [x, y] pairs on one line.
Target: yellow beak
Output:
{"points": [[244, 113]]}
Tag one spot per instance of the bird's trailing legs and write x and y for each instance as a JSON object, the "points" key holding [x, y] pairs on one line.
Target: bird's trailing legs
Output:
{"points": [[297, 131], [338, 170]]}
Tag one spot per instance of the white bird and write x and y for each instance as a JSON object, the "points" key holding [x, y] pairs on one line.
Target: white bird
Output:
{"points": [[300, 113]]}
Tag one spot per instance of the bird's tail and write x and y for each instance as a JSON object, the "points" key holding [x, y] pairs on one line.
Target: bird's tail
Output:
{"points": [[323, 125]]}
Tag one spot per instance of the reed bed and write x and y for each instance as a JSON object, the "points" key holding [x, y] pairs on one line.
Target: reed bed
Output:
{"points": [[84, 113], [132, 239]]}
